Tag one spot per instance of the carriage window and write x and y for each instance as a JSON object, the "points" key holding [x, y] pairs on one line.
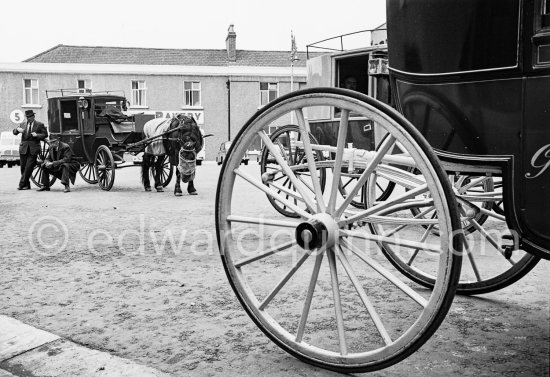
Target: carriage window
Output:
{"points": [[268, 92], [139, 93], [545, 20], [30, 96], [69, 116], [84, 86], [192, 93]]}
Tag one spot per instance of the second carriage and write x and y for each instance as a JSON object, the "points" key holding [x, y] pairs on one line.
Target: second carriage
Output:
{"points": [[100, 135]]}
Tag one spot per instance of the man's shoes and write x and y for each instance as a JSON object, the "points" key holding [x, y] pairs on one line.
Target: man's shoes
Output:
{"points": [[44, 188], [24, 188], [67, 189]]}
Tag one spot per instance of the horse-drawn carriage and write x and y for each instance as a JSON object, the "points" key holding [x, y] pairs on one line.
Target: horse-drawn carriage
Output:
{"points": [[466, 153], [102, 137]]}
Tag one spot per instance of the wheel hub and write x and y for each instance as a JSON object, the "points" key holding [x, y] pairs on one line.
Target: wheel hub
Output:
{"points": [[319, 231]]}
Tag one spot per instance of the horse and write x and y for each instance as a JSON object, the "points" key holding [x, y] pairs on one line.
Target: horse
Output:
{"points": [[181, 145]]}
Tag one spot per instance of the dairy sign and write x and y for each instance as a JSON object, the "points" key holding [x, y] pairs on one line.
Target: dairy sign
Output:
{"points": [[198, 115]]}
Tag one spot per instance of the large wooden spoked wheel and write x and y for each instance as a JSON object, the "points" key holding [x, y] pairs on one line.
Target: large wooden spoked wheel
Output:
{"points": [[493, 259], [88, 173], [167, 172], [104, 166], [36, 176], [317, 285], [288, 141]]}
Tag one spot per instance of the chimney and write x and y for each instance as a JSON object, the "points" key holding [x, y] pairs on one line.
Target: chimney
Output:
{"points": [[231, 44]]}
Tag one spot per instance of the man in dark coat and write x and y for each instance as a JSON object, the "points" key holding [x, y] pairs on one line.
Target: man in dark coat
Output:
{"points": [[32, 132], [59, 162]]}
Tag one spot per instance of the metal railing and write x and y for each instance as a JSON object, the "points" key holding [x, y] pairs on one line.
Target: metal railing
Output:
{"points": [[336, 44], [81, 92]]}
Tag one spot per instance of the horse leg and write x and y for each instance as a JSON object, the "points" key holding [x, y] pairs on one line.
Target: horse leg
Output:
{"points": [[191, 188], [145, 164], [177, 188], [158, 173]]}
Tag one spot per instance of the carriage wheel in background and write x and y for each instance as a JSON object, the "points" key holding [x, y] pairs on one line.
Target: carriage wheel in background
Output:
{"points": [[286, 138], [167, 172], [383, 187], [36, 176], [317, 285], [349, 179], [104, 166], [88, 173], [492, 261]]}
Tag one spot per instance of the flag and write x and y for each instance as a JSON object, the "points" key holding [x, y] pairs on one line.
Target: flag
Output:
{"points": [[293, 48]]}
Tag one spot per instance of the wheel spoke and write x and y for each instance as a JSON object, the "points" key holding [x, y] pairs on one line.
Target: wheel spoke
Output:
{"points": [[422, 239], [340, 144], [309, 297], [473, 183], [261, 221], [392, 241], [289, 193], [386, 273], [384, 205], [471, 259], [401, 227], [337, 302], [304, 130], [283, 281], [384, 147], [265, 254], [492, 214], [306, 184], [286, 169], [491, 240], [37, 172], [364, 298], [271, 193]]}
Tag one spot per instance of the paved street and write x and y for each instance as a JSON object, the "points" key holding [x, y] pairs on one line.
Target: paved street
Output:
{"points": [[137, 275]]}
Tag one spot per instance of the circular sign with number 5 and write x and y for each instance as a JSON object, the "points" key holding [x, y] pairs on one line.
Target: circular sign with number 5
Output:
{"points": [[17, 116]]}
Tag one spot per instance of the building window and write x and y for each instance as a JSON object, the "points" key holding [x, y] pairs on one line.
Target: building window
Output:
{"points": [[139, 93], [268, 92], [84, 86], [192, 93], [31, 92]]}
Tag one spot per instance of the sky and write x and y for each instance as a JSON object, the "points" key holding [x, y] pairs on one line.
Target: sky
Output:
{"points": [[29, 27]]}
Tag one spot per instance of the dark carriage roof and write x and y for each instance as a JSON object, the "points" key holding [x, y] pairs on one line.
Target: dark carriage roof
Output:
{"points": [[159, 56]]}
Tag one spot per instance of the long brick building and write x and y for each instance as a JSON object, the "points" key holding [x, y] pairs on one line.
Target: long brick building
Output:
{"points": [[221, 88]]}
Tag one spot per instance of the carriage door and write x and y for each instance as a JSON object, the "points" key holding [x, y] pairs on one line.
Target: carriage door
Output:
{"points": [[535, 159], [86, 118], [353, 74]]}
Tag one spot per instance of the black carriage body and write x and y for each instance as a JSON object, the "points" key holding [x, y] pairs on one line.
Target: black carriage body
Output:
{"points": [[474, 77], [80, 121]]}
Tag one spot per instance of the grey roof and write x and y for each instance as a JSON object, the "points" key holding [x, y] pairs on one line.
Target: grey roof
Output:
{"points": [[159, 56]]}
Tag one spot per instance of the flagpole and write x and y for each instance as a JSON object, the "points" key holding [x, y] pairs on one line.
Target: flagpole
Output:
{"points": [[293, 51], [292, 86]]}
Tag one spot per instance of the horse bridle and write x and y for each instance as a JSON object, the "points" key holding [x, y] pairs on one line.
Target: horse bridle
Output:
{"points": [[179, 140]]}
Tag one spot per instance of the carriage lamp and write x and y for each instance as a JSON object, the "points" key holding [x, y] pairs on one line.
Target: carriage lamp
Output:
{"points": [[378, 67], [82, 103]]}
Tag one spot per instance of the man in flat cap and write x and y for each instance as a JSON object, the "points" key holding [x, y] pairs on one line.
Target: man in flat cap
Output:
{"points": [[32, 132], [59, 162]]}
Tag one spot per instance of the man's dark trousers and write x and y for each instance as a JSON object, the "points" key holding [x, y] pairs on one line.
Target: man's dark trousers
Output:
{"points": [[28, 162]]}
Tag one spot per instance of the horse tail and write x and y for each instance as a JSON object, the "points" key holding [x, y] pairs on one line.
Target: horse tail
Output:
{"points": [[147, 167], [144, 170]]}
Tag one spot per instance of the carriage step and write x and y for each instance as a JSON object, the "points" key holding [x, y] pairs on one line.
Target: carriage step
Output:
{"points": [[508, 249]]}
